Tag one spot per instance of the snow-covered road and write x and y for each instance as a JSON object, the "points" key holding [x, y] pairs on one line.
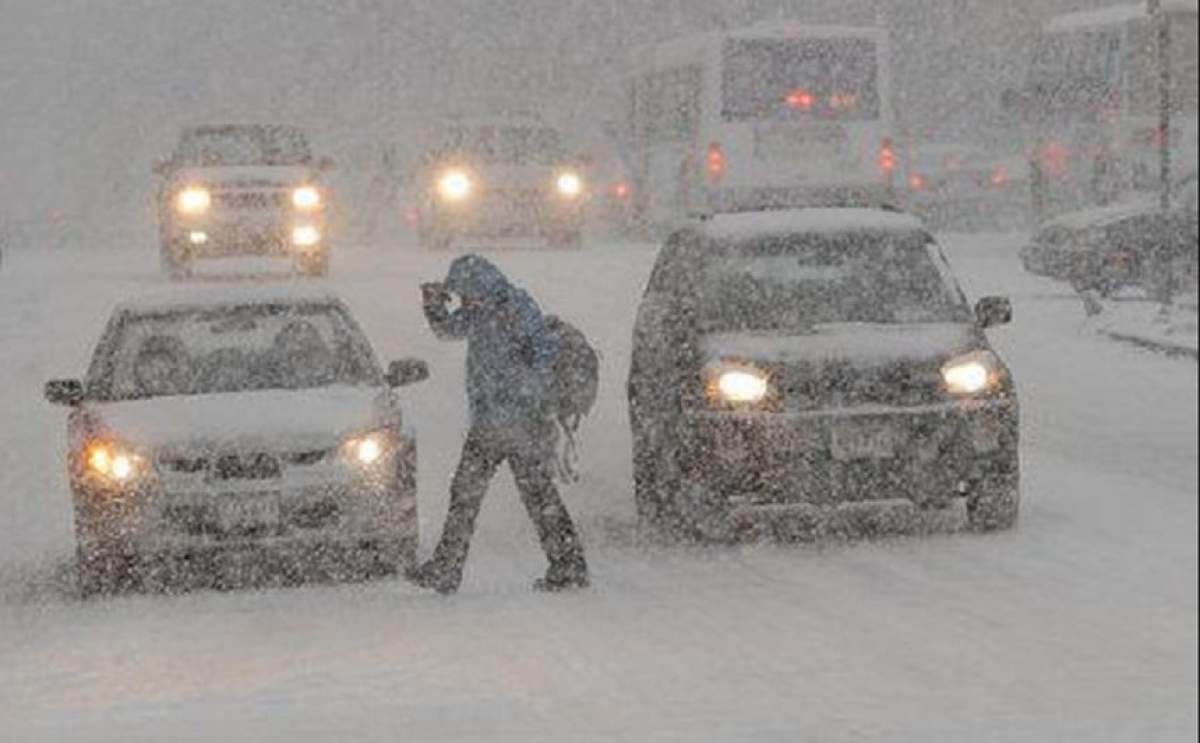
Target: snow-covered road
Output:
{"points": [[1081, 625]]}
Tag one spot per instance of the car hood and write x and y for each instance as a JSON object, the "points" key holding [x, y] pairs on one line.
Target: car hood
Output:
{"points": [[247, 176], [856, 343], [272, 419]]}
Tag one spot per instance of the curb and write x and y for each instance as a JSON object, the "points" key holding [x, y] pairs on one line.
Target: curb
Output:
{"points": [[1169, 349]]}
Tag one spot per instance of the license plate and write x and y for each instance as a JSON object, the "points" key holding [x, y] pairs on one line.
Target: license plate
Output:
{"points": [[865, 441], [242, 512]]}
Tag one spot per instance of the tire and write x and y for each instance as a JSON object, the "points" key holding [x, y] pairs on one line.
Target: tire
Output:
{"points": [[314, 266], [995, 506], [176, 261], [102, 573], [434, 240], [567, 241]]}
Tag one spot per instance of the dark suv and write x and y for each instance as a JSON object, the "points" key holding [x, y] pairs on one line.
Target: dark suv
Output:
{"points": [[243, 190], [818, 370]]}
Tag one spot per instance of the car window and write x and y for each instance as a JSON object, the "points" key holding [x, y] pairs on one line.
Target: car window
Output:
{"points": [[236, 349], [796, 283]]}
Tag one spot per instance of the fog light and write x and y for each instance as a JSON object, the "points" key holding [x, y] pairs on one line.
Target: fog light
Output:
{"points": [[196, 237], [305, 236]]}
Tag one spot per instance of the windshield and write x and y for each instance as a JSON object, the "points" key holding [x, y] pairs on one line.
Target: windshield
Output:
{"points": [[517, 145], [243, 145], [800, 79], [236, 349], [793, 284]]}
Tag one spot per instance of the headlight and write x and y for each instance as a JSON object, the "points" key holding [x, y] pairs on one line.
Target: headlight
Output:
{"points": [[454, 185], [306, 197], [739, 385], [972, 373], [193, 200], [111, 461], [305, 236], [569, 184], [369, 448]]}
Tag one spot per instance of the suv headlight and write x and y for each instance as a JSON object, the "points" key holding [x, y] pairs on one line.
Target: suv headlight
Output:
{"points": [[306, 197], [569, 184], [736, 384], [454, 185], [370, 448], [112, 461], [972, 373], [193, 200]]}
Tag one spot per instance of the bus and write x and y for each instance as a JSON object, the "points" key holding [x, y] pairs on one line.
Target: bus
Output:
{"points": [[768, 116], [1093, 95]]}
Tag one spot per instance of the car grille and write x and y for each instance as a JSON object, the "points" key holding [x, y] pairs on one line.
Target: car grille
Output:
{"points": [[241, 465], [247, 200], [839, 385]]}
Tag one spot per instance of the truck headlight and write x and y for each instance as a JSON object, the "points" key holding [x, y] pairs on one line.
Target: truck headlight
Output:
{"points": [[972, 373], [369, 448], [193, 200], [569, 184], [736, 384], [306, 197], [111, 461], [454, 185]]}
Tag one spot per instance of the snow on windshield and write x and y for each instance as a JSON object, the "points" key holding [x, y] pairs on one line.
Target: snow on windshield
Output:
{"points": [[794, 284], [198, 352]]}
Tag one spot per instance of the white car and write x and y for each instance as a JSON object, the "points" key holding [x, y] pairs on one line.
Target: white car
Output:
{"points": [[216, 434]]}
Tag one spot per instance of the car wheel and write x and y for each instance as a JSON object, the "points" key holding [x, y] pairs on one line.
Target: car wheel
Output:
{"points": [[175, 260], [99, 573], [994, 506], [314, 266], [567, 241]]}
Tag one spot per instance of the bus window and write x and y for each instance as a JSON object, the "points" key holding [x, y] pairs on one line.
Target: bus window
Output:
{"points": [[791, 78]]}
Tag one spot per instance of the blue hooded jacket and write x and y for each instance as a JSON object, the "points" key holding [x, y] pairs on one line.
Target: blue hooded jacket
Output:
{"points": [[510, 355]]}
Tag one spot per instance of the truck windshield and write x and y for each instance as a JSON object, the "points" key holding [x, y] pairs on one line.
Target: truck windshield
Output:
{"points": [[243, 145]]}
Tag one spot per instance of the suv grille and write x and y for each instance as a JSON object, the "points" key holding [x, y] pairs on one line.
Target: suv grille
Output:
{"points": [[249, 199]]}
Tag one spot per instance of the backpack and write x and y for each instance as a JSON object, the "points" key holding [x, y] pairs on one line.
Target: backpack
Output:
{"points": [[576, 381]]}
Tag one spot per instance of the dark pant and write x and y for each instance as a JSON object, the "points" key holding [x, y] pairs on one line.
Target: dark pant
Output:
{"points": [[530, 456]]}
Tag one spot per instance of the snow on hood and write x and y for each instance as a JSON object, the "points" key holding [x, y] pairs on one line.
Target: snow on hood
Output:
{"points": [[855, 342], [247, 175], [317, 417]]}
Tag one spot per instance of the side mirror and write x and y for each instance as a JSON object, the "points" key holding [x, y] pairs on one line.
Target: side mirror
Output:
{"points": [[163, 167], [407, 371], [326, 164], [64, 391], [990, 311]]}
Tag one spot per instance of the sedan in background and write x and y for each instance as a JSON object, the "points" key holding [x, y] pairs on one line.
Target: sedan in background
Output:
{"points": [[220, 435]]}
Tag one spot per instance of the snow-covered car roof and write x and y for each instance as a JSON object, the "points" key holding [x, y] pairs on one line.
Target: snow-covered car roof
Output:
{"points": [[825, 221], [206, 297], [1098, 216], [1113, 15]]}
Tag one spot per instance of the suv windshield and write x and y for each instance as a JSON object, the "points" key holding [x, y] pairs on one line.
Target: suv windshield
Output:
{"points": [[243, 145], [792, 284], [517, 145], [233, 349]]}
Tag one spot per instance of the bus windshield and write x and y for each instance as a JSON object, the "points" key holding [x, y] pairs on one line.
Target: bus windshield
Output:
{"points": [[781, 79]]}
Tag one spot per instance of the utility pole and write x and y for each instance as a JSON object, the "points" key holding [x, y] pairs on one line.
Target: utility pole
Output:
{"points": [[1159, 16]]}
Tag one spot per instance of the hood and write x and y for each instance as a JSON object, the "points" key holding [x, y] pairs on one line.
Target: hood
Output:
{"points": [[856, 343], [273, 419], [247, 176]]}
